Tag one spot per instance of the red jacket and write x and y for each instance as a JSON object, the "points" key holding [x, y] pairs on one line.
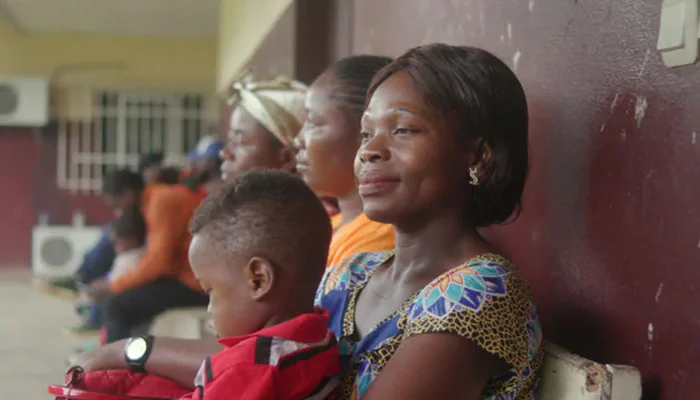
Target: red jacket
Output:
{"points": [[297, 359]]}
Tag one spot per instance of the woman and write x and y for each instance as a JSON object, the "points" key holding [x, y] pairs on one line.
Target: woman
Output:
{"points": [[327, 146], [444, 152], [266, 117]]}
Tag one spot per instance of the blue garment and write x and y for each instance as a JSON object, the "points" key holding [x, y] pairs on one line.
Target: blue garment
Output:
{"points": [[96, 265], [485, 300], [98, 261]]}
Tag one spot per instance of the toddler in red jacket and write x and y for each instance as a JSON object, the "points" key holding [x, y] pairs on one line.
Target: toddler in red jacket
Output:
{"points": [[259, 250]]}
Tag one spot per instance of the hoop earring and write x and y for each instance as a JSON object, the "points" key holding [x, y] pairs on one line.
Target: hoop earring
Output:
{"points": [[473, 176]]}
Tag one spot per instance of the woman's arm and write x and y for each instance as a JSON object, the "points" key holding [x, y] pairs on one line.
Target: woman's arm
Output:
{"points": [[435, 366], [176, 359]]}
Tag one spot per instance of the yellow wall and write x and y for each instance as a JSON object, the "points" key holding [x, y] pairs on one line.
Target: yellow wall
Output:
{"points": [[179, 64], [243, 25]]}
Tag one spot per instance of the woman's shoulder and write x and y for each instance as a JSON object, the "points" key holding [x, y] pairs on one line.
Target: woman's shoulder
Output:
{"points": [[486, 300]]}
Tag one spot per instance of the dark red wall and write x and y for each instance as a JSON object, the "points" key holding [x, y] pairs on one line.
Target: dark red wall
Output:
{"points": [[610, 235], [28, 182]]}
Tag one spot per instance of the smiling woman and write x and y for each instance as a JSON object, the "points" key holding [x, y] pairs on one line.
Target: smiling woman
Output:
{"points": [[443, 152]]}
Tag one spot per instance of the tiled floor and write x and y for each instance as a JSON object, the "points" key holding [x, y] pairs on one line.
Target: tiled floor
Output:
{"points": [[33, 345]]}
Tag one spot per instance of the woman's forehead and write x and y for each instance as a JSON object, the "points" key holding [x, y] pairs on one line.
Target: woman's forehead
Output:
{"points": [[398, 95]]}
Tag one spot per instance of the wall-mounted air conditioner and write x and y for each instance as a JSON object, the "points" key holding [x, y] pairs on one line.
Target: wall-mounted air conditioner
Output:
{"points": [[24, 101], [58, 250]]}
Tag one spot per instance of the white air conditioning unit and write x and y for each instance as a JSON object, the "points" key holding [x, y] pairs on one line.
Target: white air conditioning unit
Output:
{"points": [[24, 101], [58, 250]]}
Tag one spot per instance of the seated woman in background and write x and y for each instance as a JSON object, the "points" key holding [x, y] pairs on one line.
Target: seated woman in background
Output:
{"points": [[327, 146], [266, 117], [150, 167], [444, 316]]}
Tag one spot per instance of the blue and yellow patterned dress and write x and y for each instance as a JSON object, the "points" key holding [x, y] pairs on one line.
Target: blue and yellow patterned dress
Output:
{"points": [[484, 300]]}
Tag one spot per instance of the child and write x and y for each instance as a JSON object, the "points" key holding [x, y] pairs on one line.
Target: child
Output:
{"points": [[259, 250], [128, 236]]}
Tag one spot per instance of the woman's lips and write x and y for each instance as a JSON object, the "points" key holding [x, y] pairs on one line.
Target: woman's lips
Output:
{"points": [[373, 184]]}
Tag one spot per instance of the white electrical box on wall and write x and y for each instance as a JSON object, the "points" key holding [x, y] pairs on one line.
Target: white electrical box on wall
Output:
{"points": [[24, 101], [678, 32]]}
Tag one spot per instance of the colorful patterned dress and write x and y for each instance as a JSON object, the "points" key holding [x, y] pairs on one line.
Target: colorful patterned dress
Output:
{"points": [[484, 300]]}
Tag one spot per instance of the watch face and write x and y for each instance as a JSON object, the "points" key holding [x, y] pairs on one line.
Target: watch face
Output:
{"points": [[136, 348]]}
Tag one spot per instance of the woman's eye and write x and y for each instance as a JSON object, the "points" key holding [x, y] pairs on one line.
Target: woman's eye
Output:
{"points": [[365, 135], [401, 131]]}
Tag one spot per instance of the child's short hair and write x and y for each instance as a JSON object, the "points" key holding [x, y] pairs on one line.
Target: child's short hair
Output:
{"points": [[270, 214], [130, 224]]}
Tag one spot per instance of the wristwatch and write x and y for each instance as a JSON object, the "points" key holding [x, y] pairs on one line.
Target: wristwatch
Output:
{"points": [[136, 352]]}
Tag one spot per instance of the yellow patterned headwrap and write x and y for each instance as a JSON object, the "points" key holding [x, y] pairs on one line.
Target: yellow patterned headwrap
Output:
{"points": [[276, 104]]}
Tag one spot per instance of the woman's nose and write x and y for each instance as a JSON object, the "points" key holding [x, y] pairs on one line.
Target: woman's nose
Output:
{"points": [[373, 150]]}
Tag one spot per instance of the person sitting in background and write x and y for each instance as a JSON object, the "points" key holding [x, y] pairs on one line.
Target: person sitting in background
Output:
{"points": [[129, 238], [128, 235], [203, 165], [266, 117], [327, 145], [150, 167], [170, 175], [161, 280], [99, 259]]}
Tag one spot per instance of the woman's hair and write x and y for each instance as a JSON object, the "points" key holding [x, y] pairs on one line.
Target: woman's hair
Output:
{"points": [[486, 105], [277, 104], [150, 160], [350, 78], [170, 175], [115, 183]]}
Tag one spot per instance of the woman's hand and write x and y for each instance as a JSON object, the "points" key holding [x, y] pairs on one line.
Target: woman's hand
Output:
{"points": [[435, 366]]}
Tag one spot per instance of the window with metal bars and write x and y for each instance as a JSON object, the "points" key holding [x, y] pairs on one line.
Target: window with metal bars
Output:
{"points": [[122, 126]]}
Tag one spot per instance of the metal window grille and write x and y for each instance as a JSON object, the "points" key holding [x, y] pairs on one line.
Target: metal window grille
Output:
{"points": [[122, 126]]}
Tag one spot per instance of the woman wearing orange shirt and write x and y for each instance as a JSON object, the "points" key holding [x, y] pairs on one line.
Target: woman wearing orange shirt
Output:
{"points": [[327, 145]]}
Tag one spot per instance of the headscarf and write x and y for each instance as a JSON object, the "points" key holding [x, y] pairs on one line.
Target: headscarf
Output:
{"points": [[277, 104]]}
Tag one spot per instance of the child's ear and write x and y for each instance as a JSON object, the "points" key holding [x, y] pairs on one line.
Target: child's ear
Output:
{"points": [[260, 276]]}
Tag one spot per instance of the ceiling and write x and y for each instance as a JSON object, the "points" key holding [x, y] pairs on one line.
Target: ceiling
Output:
{"points": [[113, 17]]}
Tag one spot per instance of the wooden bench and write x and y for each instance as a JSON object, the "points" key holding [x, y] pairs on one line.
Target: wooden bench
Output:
{"points": [[566, 376]]}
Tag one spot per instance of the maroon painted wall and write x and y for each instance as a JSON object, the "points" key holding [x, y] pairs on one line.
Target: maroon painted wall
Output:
{"points": [[610, 233], [28, 181]]}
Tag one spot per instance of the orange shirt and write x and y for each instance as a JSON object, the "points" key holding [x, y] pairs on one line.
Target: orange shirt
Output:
{"points": [[358, 236], [167, 210]]}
